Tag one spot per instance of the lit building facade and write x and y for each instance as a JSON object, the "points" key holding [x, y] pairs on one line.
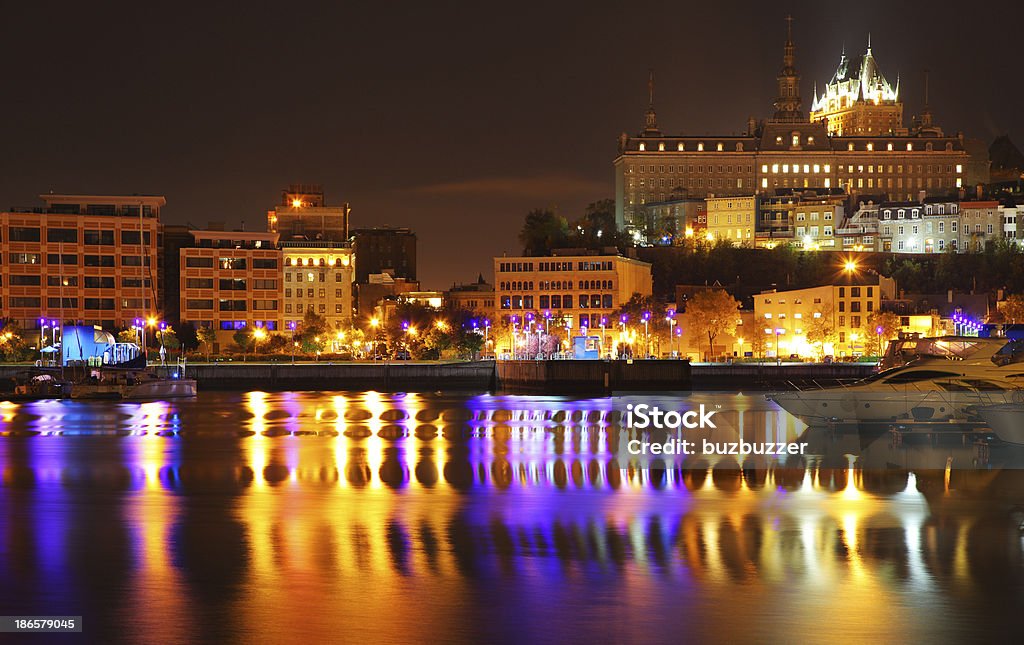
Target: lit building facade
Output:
{"points": [[578, 290], [318, 277], [787, 151], [787, 317], [858, 100], [732, 219], [231, 280], [80, 258], [475, 297]]}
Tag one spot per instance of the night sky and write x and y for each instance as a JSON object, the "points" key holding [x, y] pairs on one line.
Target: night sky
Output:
{"points": [[453, 118]]}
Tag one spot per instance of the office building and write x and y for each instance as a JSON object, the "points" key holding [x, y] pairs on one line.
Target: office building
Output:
{"points": [[573, 287], [385, 250], [304, 215]]}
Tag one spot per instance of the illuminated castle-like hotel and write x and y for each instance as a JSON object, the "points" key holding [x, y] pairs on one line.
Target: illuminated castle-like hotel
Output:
{"points": [[853, 142]]}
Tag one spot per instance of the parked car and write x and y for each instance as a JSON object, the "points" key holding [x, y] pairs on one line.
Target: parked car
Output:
{"points": [[403, 355]]}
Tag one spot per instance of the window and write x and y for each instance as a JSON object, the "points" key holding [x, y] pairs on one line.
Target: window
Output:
{"points": [[56, 281], [58, 259], [231, 284], [62, 235], [199, 304], [98, 238], [264, 305], [23, 234], [134, 260], [25, 281], [55, 303], [233, 264], [132, 237], [232, 305], [99, 282], [199, 283], [194, 263], [264, 263], [135, 282], [30, 302], [24, 258], [264, 283], [99, 303]]}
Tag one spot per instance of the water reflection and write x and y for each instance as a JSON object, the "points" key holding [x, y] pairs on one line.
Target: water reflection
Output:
{"points": [[220, 518]]}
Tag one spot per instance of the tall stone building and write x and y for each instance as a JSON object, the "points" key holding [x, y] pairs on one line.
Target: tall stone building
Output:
{"points": [[786, 151]]}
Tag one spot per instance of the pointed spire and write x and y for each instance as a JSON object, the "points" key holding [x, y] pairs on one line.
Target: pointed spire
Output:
{"points": [[651, 121], [869, 44]]}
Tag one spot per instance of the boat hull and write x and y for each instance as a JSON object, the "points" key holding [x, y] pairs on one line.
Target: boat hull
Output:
{"points": [[1006, 421], [818, 407]]}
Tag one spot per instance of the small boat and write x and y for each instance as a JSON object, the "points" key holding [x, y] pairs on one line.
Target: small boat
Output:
{"points": [[35, 387], [132, 385]]}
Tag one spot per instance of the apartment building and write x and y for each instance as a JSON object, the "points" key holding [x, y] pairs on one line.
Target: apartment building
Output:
{"points": [[732, 219], [231, 280], [80, 258]]}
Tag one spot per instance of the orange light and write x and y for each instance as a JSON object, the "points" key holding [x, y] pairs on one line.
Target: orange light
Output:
{"points": [[296, 203]]}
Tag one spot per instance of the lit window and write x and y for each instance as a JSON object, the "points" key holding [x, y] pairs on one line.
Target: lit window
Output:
{"points": [[700, 147], [775, 167], [680, 147], [959, 168], [910, 147], [661, 146], [764, 168], [642, 147]]}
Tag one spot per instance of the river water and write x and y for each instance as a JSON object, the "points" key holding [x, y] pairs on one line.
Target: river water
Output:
{"points": [[367, 517]]}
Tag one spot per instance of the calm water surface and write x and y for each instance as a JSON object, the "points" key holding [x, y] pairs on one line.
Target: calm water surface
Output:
{"points": [[337, 517]]}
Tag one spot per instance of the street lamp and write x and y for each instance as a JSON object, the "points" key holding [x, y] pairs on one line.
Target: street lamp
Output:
{"points": [[291, 328], [670, 316], [778, 332], [604, 323], [646, 317], [878, 331]]}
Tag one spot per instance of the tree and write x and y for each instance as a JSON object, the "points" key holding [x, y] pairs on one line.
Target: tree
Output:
{"points": [[313, 335], [883, 326], [243, 338], [128, 336], [542, 231], [759, 344], [597, 228], [206, 337], [635, 309], [712, 312], [1013, 309], [13, 347], [169, 339], [821, 328]]}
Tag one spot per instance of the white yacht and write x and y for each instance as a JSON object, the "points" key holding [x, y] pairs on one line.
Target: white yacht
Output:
{"points": [[1006, 420], [944, 388]]}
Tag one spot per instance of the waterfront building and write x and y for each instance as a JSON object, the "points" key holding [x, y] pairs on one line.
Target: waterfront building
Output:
{"points": [[318, 276], [303, 214], [790, 319], [385, 249], [80, 259], [732, 219], [571, 286], [858, 100], [786, 151], [231, 280], [475, 297]]}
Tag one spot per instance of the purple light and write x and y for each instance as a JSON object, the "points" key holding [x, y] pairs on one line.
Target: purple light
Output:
{"points": [[623, 318]]}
